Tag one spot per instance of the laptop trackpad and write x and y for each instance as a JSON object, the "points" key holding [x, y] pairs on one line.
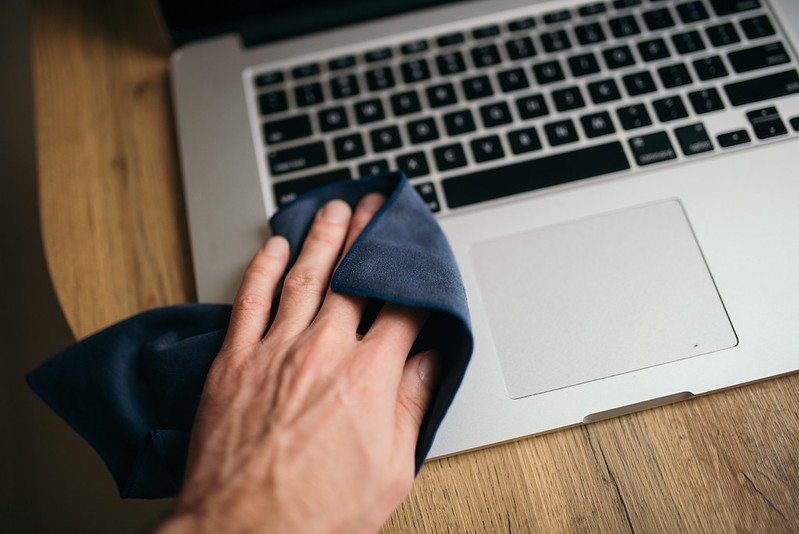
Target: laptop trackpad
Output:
{"points": [[599, 297]]}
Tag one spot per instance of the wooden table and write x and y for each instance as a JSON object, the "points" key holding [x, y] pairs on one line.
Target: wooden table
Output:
{"points": [[115, 238]]}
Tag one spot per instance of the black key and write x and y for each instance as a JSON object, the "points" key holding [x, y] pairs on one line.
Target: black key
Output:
{"points": [[441, 95], [387, 138], [592, 9], [341, 63], [658, 19], [286, 192], [287, 129], [652, 148], [534, 174], [297, 158], [532, 106], [369, 111], [478, 87], [765, 88], [766, 122], [525, 140], [692, 12], [653, 50], [450, 63], [459, 122], [757, 27], [568, 98], [344, 86], [737, 137], [405, 103], [413, 164], [618, 57], [758, 57], [380, 78], [495, 114], [639, 83], [555, 41], [449, 157], [709, 68], [624, 26], [422, 131], [621, 4], [557, 16], [688, 42], [415, 47], [693, 139], [670, 109], [273, 102], [485, 31], [428, 193], [632, 117], [373, 167], [795, 124], [521, 24], [583, 65], [333, 119], [728, 7], [450, 39], [308, 95], [604, 91], [378, 55], [597, 124], [415, 71], [590, 33], [348, 147], [487, 148], [485, 56], [723, 34], [674, 75], [548, 72], [520, 48], [561, 132], [305, 71], [269, 78], [706, 100], [513, 80]]}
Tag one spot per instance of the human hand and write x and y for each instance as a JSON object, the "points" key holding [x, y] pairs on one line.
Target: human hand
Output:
{"points": [[311, 427]]}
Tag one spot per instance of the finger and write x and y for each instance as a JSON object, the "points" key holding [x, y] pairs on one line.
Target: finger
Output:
{"points": [[253, 303], [419, 380], [307, 281], [397, 327]]}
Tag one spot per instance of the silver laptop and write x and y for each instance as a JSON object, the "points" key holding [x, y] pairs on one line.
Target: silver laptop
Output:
{"points": [[618, 179]]}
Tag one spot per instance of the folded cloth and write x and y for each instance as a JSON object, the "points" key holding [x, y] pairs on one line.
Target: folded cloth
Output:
{"points": [[132, 389]]}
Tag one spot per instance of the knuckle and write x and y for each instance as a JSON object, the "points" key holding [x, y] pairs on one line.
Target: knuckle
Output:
{"points": [[304, 281], [250, 302]]}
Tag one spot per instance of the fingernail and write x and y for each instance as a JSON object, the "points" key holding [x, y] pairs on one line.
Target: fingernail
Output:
{"points": [[275, 246], [372, 202], [335, 211], [428, 369]]}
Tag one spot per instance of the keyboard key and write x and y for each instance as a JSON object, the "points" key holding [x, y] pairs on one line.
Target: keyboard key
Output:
{"points": [[709, 68], [422, 131], [414, 47], [369, 111], [297, 158], [693, 139], [449, 157], [758, 57], [341, 63], [674, 75], [737, 137], [387, 138], [413, 165], [597, 124], [728, 7], [513, 80], [520, 48], [621, 4], [658, 19], [372, 167], [503, 181], [308, 95], [269, 78], [561, 132], [441, 95], [548, 72], [287, 129], [639, 83], [652, 148], [459, 122], [333, 119], [590, 33], [568, 98], [525, 140], [618, 57], [670, 109], [288, 191], [348, 147], [486, 31], [691, 12], [557, 16], [521, 24], [304, 71], [485, 56], [381, 54], [765, 88], [405, 103], [766, 123], [723, 34], [604, 91], [344, 86], [487, 148], [653, 50], [380, 78], [583, 65], [757, 27], [450, 39], [532, 106], [450, 63], [555, 41], [632, 117], [428, 193], [415, 71], [795, 123], [273, 102], [592, 9], [478, 87], [495, 114], [688, 42], [624, 26]]}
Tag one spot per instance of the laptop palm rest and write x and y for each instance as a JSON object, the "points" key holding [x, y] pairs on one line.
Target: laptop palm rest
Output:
{"points": [[598, 297]]}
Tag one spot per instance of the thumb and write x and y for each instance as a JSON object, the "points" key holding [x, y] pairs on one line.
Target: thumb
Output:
{"points": [[419, 379]]}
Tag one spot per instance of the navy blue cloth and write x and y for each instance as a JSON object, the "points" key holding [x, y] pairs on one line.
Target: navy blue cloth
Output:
{"points": [[132, 389]]}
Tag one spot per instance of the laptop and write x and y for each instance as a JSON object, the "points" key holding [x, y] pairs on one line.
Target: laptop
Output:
{"points": [[618, 179]]}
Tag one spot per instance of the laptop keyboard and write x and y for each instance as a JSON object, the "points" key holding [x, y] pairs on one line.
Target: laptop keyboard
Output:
{"points": [[515, 105]]}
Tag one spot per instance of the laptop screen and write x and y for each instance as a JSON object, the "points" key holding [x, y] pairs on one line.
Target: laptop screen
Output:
{"points": [[262, 21]]}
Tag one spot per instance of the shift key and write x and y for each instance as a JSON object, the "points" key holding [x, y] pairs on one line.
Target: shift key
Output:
{"points": [[297, 158]]}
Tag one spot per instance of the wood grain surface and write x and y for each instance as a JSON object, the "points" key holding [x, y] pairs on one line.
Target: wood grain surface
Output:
{"points": [[114, 231]]}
